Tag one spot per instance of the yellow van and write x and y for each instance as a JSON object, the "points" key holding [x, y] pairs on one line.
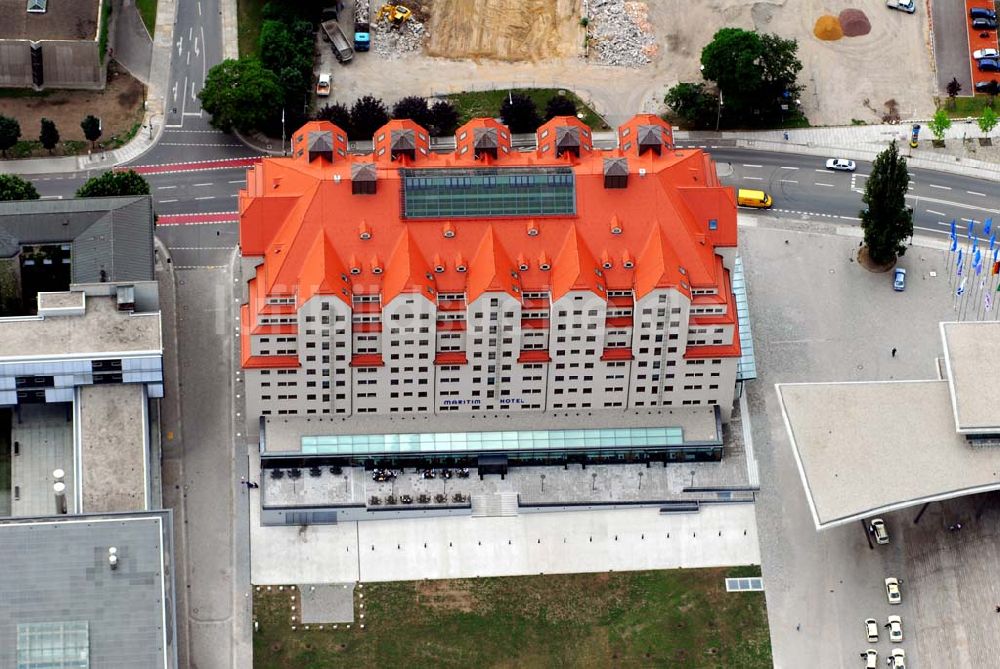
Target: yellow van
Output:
{"points": [[757, 199]]}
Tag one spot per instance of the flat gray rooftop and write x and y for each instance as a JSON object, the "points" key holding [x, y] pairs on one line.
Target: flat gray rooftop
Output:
{"points": [[283, 434], [103, 329], [44, 436], [55, 570], [64, 20], [972, 366], [870, 447], [113, 447]]}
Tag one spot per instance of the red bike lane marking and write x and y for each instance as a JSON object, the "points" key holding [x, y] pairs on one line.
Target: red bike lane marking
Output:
{"points": [[193, 167], [198, 219]]}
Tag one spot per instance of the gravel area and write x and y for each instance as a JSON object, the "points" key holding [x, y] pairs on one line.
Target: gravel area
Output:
{"points": [[620, 33], [391, 43]]}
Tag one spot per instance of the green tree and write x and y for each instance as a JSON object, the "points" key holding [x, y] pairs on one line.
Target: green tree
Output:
{"points": [[755, 73], [519, 113], [444, 118], [91, 129], [559, 105], [337, 114], [886, 221], [49, 134], [939, 124], [414, 108], [13, 187], [988, 120], [367, 115], [111, 184], [692, 104], [241, 94], [10, 132]]}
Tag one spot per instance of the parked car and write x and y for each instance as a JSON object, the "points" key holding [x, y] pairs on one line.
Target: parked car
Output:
{"points": [[982, 13], [984, 24], [871, 630], [989, 65], [323, 85], [991, 87], [895, 626], [985, 53], [892, 590], [841, 165], [898, 284], [898, 659], [877, 526], [871, 658]]}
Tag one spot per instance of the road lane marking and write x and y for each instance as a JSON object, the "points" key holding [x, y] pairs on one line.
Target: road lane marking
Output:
{"points": [[238, 181], [201, 248], [787, 168], [753, 178], [748, 165], [972, 192], [850, 218], [821, 171], [165, 187], [827, 185], [863, 176], [788, 181], [939, 187], [52, 197], [201, 185], [936, 213], [206, 197], [167, 201]]}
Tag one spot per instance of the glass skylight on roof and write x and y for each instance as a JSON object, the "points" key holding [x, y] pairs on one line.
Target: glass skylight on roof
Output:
{"points": [[63, 645], [488, 192]]}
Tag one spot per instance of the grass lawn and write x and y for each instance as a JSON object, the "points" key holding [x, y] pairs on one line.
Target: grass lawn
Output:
{"points": [[681, 618], [966, 106], [475, 104], [248, 27], [147, 10]]}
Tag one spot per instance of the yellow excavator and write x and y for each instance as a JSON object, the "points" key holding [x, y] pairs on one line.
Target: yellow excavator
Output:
{"points": [[397, 15]]}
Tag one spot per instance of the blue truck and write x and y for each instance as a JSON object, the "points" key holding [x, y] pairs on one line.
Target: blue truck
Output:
{"points": [[362, 25]]}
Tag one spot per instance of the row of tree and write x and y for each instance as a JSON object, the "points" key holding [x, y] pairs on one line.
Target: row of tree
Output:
{"points": [[48, 136], [755, 82], [369, 113], [108, 184]]}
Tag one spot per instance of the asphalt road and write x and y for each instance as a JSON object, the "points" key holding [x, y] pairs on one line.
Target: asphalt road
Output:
{"points": [[951, 45]]}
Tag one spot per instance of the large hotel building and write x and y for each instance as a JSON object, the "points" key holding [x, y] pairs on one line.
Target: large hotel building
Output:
{"points": [[489, 279]]}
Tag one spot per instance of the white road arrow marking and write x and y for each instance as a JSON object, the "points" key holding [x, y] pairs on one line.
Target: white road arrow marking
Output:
{"points": [[180, 45]]}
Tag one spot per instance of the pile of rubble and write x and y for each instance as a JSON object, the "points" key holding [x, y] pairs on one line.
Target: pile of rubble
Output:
{"points": [[620, 34], [389, 42]]}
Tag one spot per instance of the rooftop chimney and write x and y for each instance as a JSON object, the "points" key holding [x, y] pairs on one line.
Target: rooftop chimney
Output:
{"points": [[59, 488], [113, 558]]}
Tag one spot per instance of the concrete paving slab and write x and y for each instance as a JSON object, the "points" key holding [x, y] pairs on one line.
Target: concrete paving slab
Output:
{"points": [[327, 603]]}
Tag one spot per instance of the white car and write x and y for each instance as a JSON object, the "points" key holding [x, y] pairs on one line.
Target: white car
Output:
{"points": [[871, 658], [878, 530], [892, 590], [897, 658], [895, 626], [323, 85], [841, 165], [979, 54], [871, 629]]}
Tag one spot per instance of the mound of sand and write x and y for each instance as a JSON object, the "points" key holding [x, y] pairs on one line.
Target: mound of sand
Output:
{"points": [[828, 28], [854, 23]]}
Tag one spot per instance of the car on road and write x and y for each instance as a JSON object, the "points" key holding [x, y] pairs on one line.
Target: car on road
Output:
{"points": [[871, 630], [756, 199], [841, 165], [991, 87], [979, 54], [898, 284], [323, 85], [871, 658], [877, 526], [982, 13], [989, 65], [984, 24], [895, 626], [897, 659], [892, 592]]}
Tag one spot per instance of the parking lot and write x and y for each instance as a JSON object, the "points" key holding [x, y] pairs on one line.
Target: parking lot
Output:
{"points": [[818, 316]]}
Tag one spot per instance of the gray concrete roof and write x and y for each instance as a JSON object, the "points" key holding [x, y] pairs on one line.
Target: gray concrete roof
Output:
{"points": [[113, 447], [113, 234], [63, 20], [870, 447], [56, 570], [283, 433], [972, 372], [103, 329]]}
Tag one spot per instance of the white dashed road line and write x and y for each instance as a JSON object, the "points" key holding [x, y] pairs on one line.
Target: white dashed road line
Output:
{"points": [[206, 197], [165, 187], [822, 184], [238, 181], [748, 165], [788, 181], [167, 201], [972, 192], [936, 213], [754, 178], [939, 187], [200, 185], [787, 168]]}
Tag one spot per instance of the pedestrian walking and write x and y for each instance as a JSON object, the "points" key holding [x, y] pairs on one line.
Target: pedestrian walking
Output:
{"points": [[894, 352], [998, 608], [798, 626]]}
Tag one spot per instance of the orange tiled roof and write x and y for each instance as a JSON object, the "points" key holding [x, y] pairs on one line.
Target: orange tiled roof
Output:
{"points": [[316, 236]]}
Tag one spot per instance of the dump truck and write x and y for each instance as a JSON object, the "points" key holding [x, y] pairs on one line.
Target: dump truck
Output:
{"points": [[362, 25], [338, 41]]}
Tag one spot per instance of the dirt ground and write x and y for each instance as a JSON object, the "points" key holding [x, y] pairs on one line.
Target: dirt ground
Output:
{"points": [[119, 106], [507, 30]]}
